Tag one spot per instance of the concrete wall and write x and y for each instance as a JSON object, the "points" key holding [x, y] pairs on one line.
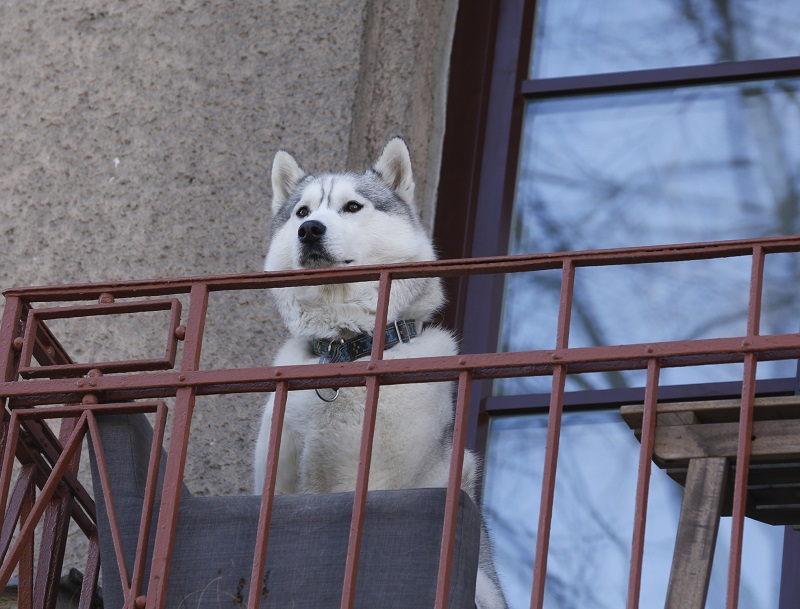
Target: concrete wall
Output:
{"points": [[136, 140]]}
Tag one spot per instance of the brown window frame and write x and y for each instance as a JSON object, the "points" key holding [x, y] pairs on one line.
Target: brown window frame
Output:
{"points": [[487, 92]]}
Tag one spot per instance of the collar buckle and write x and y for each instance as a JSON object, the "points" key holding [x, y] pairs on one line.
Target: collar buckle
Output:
{"points": [[400, 337]]}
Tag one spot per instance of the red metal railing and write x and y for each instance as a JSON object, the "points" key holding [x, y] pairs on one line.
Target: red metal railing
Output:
{"points": [[49, 463]]}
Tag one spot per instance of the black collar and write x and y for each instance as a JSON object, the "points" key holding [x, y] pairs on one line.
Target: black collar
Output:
{"points": [[351, 349]]}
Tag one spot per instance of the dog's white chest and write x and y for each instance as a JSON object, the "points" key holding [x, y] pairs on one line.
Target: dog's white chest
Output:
{"points": [[327, 437]]}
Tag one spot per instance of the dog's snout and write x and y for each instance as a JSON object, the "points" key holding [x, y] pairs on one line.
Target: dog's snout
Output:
{"points": [[311, 231]]}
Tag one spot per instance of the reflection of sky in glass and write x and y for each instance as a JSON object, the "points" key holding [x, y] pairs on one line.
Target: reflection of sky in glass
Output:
{"points": [[593, 519], [697, 164], [575, 37]]}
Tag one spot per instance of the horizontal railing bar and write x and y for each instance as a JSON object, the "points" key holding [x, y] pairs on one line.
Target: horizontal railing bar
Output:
{"points": [[402, 371], [75, 410], [117, 308], [614, 397], [434, 268]]}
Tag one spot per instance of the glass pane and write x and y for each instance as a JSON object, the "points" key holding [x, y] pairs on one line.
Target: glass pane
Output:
{"points": [[574, 37], [690, 165], [593, 511]]}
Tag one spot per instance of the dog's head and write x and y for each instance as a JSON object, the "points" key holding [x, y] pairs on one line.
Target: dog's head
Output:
{"points": [[343, 219]]}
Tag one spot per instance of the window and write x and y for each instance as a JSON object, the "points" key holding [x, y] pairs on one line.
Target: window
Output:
{"points": [[579, 125]]}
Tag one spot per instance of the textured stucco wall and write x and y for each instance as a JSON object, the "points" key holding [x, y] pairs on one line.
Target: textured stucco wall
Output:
{"points": [[136, 140]]}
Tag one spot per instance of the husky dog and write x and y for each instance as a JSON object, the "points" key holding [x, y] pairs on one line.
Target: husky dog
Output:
{"points": [[349, 219]]}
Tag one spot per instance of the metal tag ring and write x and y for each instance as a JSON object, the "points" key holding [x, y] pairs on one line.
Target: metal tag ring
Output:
{"points": [[327, 399]]}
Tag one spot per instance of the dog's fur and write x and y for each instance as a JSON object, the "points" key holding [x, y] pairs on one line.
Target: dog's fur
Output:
{"points": [[368, 218]]}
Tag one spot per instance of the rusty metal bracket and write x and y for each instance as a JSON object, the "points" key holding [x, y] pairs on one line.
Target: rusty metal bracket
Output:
{"points": [[38, 336]]}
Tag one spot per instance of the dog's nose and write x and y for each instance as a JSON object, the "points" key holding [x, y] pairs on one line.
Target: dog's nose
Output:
{"points": [[311, 231]]}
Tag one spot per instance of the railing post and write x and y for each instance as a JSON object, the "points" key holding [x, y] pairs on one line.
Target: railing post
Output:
{"points": [[553, 436], [267, 496], [453, 490], [643, 483], [365, 454], [55, 524], [176, 459], [9, 330], [745, 430]]}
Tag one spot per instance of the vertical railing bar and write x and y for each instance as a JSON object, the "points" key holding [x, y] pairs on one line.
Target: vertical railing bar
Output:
{"points": [[195, 324], [12, 314], [8, 461], [381, 316], [740, 483], [12, 515], [553, 437], [148, 503], [51, 551], [365, 453], [90, 577], [756, 289], [4, 436], [25, 586], [360, 495], [108, 499], [44, 498], [55, 524], [32, 335], [643, 482], [178, 446], [453, 490], [267, 495], [745, 431], [548, 486], [565, 304], [170, 502]]}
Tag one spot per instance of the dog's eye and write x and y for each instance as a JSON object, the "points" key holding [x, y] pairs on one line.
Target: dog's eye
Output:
{"points": [[352, 207], [302, 212]]}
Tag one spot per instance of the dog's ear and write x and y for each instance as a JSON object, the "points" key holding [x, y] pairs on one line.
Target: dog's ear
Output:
{"points": [[286, 174], [394, 169]]}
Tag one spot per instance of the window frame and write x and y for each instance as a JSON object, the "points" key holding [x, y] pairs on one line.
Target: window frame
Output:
{"points": [[488, 90]]}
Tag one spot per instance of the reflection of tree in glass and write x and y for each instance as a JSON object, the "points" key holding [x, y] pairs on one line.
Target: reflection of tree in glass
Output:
{"points": [[695, 164], [584, 37]]}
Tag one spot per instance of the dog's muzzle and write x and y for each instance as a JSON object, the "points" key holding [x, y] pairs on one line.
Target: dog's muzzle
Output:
{"points": [[311, 231], [313, 253]]}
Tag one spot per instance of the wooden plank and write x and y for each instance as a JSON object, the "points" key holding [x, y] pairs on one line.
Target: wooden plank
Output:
{"points": [[780, 407], [774, 473], [771, 439], [688, 417], [697, 534], [776, 515], [761, 474]]}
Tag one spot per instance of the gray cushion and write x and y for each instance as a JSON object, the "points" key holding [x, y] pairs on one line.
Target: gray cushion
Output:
{"points": [[215, 539]]}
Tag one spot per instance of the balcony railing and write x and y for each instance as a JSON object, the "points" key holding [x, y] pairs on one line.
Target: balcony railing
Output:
{"points": [[41, 382]]}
